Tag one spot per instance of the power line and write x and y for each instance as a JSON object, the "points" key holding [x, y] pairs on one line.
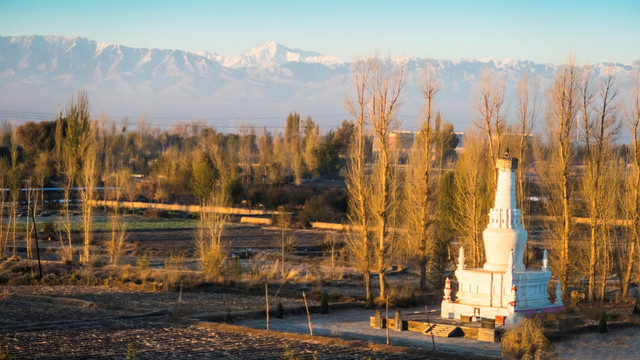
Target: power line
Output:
{"points": [[168, 122], [160, 121]]}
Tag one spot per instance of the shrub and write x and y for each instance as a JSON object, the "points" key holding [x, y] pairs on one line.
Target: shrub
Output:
{"points": [[19, 280], [228, 319], [4, 353], [402, 295], [49, 279], [525, 341], [324, 303], [279, 311], [328, 206], [131, 352], [602, 323], [49, 230], [233, 268], [143, 262], [152, 213]]}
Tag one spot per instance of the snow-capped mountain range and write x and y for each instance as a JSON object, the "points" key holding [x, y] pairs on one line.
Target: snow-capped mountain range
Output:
{"points": [[40, 74]]}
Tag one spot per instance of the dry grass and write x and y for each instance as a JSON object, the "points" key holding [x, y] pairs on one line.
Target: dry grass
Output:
{"points": [[526, 341]]}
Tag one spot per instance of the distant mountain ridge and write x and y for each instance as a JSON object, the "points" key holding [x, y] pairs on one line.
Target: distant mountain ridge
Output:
{"points": [[39, 74]]}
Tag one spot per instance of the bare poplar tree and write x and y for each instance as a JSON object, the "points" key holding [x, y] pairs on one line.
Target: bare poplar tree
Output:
{"points": [[310, 143], [247, 152], [88, 181], [420, 182], [210, 247], [632, 117], [293, 143], [489, 102], [15, 174], [71, 132], [601, 126], [40, 173], [472, 197], [118, 230], [387, 82], [526, 114], [4, 237], [265, 150], [359, 242], [28, 196], [285, 242], [562, 108]]}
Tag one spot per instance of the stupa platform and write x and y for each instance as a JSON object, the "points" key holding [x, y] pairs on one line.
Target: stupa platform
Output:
{"points": [[468, 327]]}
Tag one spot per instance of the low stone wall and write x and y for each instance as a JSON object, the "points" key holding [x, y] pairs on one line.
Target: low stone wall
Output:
{"points": [[330, 226], [256, 220], [185, 208]]}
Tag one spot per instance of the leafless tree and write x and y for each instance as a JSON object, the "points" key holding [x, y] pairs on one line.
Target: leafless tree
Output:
{"points": [[557, 166], [265, 149], [419, 183], [293, 145], [211, 249], [28, 236], [247, 152], [285, 242], [310, 144], [4, 236], [119, 182], [71, 132], [88, 181], [359, 242], [526, 114], [489, 102], [15, 176], [387, 82], [40, 173], [472, 196], [600, 126], [632, 203]]}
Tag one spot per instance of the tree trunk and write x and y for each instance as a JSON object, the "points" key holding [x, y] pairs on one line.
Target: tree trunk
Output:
{"points": [[367, 284], [627, 274], [383, 279], [565, 237], [592, 261]]}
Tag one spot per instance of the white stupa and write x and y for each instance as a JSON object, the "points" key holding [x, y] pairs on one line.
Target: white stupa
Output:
{"points": [[502, 289]]}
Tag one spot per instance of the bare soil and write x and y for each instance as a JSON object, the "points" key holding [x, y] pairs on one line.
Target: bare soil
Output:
{"points": [[107, 324], [239, 239]]}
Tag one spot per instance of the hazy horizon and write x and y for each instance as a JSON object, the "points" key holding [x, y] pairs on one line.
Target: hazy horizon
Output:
{"points": [[544, 32]]}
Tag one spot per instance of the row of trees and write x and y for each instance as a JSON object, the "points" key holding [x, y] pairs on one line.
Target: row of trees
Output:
{"points": [[88, 159], [595, 179], [589, 184], [398, 211]]}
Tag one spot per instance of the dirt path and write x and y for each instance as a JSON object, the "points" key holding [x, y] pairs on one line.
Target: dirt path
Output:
{"points": [[354, 324]]}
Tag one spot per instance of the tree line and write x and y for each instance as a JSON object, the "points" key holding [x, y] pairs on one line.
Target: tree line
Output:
{"points": [[586, 178], [411, 209]]}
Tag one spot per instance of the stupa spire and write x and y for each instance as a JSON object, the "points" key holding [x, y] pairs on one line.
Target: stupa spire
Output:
{"points": [[505, 231]]}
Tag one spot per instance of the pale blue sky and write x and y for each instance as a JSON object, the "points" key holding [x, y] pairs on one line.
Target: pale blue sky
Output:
{"points": [[542, 31]]}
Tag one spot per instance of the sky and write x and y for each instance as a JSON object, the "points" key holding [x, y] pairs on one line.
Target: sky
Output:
{"points": [[541, 31]]}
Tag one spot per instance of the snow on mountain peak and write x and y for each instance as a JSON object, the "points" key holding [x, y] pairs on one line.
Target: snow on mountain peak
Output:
{"points": [[270, 54]]}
